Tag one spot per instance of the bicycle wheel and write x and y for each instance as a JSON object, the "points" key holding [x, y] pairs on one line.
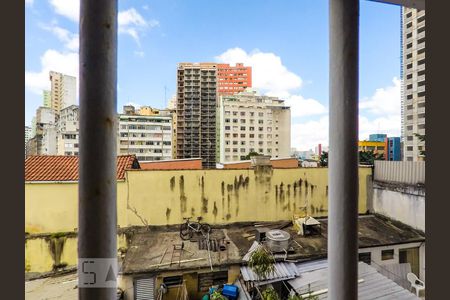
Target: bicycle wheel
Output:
{"points": [[205, 229], [185, 232]]}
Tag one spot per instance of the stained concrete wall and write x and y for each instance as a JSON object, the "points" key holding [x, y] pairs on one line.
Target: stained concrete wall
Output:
{"points": [[227, 196], [165, 196], [42, 252], [404, 203]]}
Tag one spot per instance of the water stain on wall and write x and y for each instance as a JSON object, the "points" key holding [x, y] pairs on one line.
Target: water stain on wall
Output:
{"points": [[56, 247], [183, 199], [172, 183], [215, 210], [168, 210]]}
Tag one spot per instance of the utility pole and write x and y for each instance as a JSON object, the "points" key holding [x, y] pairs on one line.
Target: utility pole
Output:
{"points": [[97, 211], [343, 154]]}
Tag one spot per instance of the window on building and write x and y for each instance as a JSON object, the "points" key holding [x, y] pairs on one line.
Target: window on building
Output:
{"points": [[243, 128], [251, 135], [261, 114], [411, 256], [409, 148], [235, 135], [261, 128], [365, 257], [387, 254], [173, 281], [242, 135]]}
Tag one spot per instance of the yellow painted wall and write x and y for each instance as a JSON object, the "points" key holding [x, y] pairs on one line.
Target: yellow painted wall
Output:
{"points": [[225, 196], [164, 197], [53, 207], [39, 257]]}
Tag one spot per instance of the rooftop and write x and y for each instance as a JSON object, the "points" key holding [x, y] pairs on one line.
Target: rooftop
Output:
{"points": [[65, 167], [151, 250]]}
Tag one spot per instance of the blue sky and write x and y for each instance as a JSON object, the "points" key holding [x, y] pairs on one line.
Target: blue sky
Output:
{"points": [[285, 41]]}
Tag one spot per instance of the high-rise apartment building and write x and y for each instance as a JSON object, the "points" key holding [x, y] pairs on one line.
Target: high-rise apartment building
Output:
{"points": [[44, 140], [249, 122], [413, 82], [392, 149], [68, 131], [148, 136], [233, 79], [63, 91], [46, 98], [196, 112]]}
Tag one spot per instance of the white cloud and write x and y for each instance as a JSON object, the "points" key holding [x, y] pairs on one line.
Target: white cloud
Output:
{"points": [[132, 23], [269, 75], [29, 2], [70, 40], [51, 60], [67, 8], [390, 125], [301, 107], [308, 135], [385, 101]]}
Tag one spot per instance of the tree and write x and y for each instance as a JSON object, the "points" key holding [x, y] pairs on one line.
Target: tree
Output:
{"points": [[323, 160], [368, 157], [249, 156]]}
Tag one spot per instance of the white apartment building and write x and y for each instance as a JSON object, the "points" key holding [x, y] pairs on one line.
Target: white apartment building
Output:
{"points": [[413, 83], [249, 122], [68, 131], [149, 137], [63, 91], [27, 136]]}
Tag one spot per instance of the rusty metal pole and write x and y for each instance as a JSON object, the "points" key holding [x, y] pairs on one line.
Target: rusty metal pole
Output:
{"points": [[97, 248], [343, 154]]}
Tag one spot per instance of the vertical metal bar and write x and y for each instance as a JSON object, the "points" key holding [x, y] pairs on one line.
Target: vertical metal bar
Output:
{"points": [[343, 155], [97, 184]]}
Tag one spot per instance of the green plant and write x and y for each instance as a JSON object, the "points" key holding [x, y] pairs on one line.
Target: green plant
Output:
{"points": [[262, 263], [270, 294], [252, 153], [323, 160], [216, 295]]}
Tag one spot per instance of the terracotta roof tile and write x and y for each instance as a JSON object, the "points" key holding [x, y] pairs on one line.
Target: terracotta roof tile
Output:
{"points": [[65, 168]]}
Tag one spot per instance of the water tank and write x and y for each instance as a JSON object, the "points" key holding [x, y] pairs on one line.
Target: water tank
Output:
{"points": [[277, 240]]}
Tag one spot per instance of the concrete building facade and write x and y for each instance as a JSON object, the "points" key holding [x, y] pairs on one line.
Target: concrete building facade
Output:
{"points": [[46, 98], [63, 91], [28, 136], [413, 82], [68, 131], [148, 136], [196, 112], [377, 137], [44, 140], [250, 122], [233, 79]]}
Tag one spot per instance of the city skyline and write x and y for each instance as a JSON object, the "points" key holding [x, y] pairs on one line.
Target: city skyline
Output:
{"points": [[295, 69]]}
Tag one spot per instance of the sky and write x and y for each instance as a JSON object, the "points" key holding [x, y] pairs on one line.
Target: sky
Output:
{"points": [[285, 42]]}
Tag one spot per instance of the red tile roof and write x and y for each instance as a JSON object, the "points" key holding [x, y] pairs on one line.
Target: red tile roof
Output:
{"points": [[65, 168]]}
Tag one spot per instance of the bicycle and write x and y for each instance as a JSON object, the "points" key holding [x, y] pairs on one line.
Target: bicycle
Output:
{"points": [[188, 228]]}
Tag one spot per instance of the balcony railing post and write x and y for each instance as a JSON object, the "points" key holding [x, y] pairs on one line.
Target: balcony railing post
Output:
{"points": [[343, 155], [97, 249]]}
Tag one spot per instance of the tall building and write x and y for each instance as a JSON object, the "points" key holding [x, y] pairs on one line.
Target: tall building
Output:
{"points": [[149, 137], [392, 149], [377, 137], [63, 91], [250, 122], [68, 131], [46, 98], [196, 112], [27, 136], [233, 79], [413, 82], [44, 140]]}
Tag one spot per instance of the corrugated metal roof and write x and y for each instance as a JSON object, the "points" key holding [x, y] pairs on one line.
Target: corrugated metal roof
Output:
{"points": [[373, 285], [283, 271]]}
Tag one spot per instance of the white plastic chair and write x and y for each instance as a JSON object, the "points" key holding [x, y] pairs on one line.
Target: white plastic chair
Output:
{"points": [[416, 284]]}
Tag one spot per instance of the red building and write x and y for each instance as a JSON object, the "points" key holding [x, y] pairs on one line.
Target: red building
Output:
{"points": [[233, 80]]}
